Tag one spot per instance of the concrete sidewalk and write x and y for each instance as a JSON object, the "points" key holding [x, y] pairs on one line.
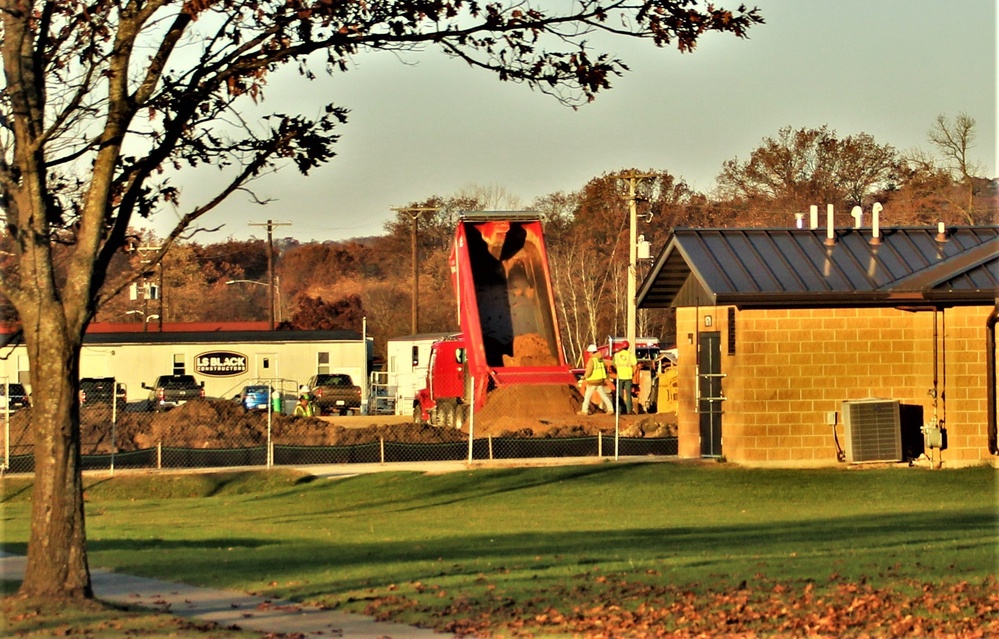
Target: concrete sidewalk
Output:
{"points": [[229, 608]]}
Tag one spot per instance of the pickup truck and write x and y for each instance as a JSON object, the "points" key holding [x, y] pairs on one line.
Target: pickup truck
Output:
{"points": [[18, 397], [99, 391], [334, 392], [169, 391]]}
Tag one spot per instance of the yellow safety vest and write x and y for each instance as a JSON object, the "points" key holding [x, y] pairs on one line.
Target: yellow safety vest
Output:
{"points": [[599, 371], [624, 362]]}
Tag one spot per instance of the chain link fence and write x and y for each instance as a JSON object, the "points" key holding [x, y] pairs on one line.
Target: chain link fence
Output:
{"points": [[521, 421]]}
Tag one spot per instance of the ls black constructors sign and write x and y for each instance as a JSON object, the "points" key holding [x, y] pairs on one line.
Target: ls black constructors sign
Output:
{"points": [[220, 363]]}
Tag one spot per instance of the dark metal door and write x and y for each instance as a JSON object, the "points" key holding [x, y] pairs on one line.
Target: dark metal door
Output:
{"points": [[710, 398]]}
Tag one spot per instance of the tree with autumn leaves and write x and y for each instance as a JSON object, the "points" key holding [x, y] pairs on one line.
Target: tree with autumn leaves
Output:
{"points": [[107, 105]]}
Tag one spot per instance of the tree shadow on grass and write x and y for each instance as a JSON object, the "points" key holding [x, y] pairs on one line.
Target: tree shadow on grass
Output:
{"points": [[455, 488], [327, 569]]}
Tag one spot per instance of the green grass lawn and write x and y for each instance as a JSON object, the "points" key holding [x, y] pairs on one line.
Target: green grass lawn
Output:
{"points": [[550, 552]]}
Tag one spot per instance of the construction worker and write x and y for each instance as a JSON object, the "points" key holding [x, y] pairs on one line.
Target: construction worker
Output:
{"points": [[594, 378], [625, 363], [305, 406]]}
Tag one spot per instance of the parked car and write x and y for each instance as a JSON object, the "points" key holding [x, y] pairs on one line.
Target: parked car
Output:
{"points": [[334, 393], [170, 391], [13, 397], [97, 391], [256, 397]]}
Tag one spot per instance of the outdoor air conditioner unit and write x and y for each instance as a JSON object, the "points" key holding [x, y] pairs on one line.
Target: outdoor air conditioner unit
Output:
{"points": [[873, 430]]}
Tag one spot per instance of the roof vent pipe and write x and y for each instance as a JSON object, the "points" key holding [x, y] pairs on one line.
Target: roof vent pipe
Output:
{"points": [[941, 232], [858, 216], [830, 231], [799, 220], [813, 217], [876, 223]]}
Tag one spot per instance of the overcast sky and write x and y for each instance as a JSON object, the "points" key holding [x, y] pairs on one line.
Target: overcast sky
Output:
{"points": [[426, 125]]}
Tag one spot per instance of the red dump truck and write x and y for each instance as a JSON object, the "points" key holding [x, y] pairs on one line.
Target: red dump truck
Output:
{"points": [[506, 310]]}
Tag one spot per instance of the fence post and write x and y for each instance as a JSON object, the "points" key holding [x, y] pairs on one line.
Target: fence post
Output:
{"points": [[6, 436], [600, 443], [490, 447], [471, 421], [381, 449], [617, 415], [159, 455], [114, 422], [6, 426], [270, 421]]}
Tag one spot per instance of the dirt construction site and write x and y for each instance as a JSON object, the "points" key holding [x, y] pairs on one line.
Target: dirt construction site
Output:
{"points": [[540, 411]]}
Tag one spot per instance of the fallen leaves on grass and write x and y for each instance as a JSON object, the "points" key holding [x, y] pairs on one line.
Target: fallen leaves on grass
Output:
{"points": [[627, 606]]}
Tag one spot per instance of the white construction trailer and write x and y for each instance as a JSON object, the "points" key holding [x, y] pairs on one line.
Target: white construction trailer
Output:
{"points": [[407, 359]]}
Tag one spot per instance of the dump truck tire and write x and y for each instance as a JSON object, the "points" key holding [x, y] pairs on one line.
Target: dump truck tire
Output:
{"points": [[460, 416]]}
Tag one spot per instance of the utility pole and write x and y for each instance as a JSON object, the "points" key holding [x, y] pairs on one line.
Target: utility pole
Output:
{"points": [[632, 178], [142, 250], [414, 214], [271, 282]]}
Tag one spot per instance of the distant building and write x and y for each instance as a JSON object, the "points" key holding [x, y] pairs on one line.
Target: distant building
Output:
{"points": [[224, 355]]}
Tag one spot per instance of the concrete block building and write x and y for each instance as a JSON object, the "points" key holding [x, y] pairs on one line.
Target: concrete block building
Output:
{"points": [[825, 346]]}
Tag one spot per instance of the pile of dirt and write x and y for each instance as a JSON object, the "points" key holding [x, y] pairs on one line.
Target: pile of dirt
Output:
{"points": [[552, 410], [221, 424], [575, 426], [529, 411]]}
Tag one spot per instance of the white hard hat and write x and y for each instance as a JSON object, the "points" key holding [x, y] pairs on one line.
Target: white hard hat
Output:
{"points": [[592, 348]]}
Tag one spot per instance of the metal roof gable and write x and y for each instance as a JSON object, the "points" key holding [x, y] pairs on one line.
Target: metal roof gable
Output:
{"points": [[769, 268]]}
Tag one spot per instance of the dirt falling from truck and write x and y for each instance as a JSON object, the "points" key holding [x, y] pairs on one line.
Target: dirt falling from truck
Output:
{"points": [[530, 350]]}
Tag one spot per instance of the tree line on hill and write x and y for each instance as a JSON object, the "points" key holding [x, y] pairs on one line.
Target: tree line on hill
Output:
{"points": [[340, 284]]}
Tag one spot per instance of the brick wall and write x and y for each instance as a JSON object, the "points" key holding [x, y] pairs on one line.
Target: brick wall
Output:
{"points": [[792, 368]]}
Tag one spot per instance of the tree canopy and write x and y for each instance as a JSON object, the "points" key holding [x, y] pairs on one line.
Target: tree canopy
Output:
{"points": [[812, 165]]}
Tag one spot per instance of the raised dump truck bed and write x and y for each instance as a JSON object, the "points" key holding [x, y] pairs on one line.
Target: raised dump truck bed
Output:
{"points": [[506, 309]]}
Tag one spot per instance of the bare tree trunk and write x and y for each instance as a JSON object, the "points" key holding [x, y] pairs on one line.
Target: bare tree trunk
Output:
{"points": [[57, 558]]}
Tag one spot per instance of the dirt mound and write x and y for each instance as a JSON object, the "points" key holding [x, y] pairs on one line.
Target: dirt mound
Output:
{"points": [[552, 410], [529, 411], [535, 401], [221, 424], [524, 410], [575, 426]]}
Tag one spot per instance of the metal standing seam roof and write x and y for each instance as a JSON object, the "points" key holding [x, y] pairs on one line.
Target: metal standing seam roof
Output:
{"points": [[770, 268]]}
